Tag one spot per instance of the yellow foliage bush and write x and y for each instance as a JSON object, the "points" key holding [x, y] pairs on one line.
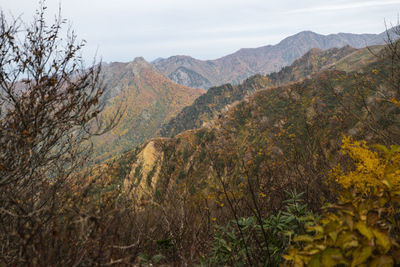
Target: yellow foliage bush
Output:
{"points": [[373, 171], [362, 227]]}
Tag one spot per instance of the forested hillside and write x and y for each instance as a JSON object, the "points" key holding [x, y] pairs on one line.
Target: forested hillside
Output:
{"points": [[276, 140], [145, 98], [216, 99], [301, 122]]}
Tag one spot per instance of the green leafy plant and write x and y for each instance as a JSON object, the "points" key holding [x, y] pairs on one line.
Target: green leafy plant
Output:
{"points": [[230, 249]]}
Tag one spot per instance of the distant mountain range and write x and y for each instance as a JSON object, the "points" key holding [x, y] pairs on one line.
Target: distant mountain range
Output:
{"points": [[240, 65]]}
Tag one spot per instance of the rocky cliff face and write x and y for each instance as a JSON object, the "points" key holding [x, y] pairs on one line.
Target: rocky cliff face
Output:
{"points": [[187, 77]]}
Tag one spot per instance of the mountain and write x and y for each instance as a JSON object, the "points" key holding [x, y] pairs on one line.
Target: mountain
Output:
{"points": [[240, 65], [277, 145], [209, 105], [346, 58], [287, 137], [147, 98], [157, 60]]}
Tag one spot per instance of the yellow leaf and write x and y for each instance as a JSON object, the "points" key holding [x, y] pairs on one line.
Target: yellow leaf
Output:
{"points": [[382, 240], [315, 261], [333, 235], [331, 257], [346, 240], [395, 101], [360, 255], [364, 230], [316, 228]]}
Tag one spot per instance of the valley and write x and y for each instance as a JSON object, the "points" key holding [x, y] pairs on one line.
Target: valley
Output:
{"points": [[285, 154]]}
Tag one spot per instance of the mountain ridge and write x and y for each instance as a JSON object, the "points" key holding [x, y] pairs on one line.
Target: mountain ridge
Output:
{"points": [[147, 98], [237, 66], [271, 124], [216, 99]]}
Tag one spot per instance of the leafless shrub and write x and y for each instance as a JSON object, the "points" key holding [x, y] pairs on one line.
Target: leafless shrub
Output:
{"points": [[49, 105]]}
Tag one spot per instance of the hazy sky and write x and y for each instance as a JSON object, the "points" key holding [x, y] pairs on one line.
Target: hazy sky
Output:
{"points": [[121, 30]]}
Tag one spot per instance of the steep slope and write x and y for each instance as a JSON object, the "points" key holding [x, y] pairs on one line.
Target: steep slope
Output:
{"points": [[209, 105], [217, 99], [249, 61], [359, 59], [284, 137], [148, 99], [187, 77], [346, 58], [313, 61]]}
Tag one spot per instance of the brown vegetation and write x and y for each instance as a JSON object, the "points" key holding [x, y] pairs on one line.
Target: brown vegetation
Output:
{"points": [[210, 196]]}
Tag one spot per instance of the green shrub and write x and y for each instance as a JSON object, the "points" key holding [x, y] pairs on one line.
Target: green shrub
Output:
{"points": [[242, 242]]}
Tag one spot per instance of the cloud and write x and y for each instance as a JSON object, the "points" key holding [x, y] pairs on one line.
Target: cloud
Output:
{"points": [[340, 7], [124, 29]]}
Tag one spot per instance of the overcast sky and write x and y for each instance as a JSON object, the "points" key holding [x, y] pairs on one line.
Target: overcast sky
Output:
{"points": [[121, 30]]}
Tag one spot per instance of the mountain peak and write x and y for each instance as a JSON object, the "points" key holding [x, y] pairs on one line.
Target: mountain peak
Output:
{"points": [[240, 65], [306, 32], [157, 60], [139, 60], [303, 35], [140, 63], [181, 57]]}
